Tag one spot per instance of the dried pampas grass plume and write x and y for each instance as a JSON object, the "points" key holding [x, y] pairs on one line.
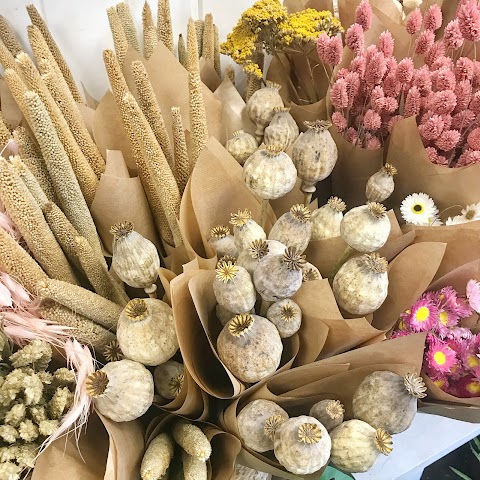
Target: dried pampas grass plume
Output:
{"points": [[198, 116], [182, 51], [29, 180], [208, 51], [150, 41]]}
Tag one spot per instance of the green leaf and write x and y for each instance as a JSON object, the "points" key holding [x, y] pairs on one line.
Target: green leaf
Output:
{"points": [[460, 474], [477, 443], [331, 473], [477, 454]]}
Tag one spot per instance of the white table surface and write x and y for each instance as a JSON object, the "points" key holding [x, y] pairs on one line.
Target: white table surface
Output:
{"points": [[428, 439]]}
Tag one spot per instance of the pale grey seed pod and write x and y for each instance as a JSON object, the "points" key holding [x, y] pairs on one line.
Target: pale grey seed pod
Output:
{"points": [[286, 316], [366, 228], [310, 272], [329, 413], [314, 154], [250, 347], [241, 146], [233, 288], [381, 185], [294, 228], [361, 285], [223, 242], [246, 473], [286, 122], [259, 249], [279, 276], [270, 173], [257, 422], [169, 378], [245, 229], [224, 315], [261, 105], [327, 219]]}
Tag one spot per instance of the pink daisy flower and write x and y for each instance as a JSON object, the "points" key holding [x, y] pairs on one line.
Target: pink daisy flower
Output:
{"points": [[440, 357], [441, 382], [423, 316], [471, 362], [473, 295], [447, 318], [400, 333], [468, 387]]}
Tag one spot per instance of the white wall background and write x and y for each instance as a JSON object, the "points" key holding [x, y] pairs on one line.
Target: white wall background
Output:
{"points": [[80, 27]]}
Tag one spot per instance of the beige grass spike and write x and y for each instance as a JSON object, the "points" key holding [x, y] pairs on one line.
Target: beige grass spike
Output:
{"points": [[126, 19], [30, 181], [182, 163], [216, 51], [150, 41], [5, 134], [208, 52], [182, 51], [119, 38], [8, 37], [164, 24], [198, 116], [192, 47]]}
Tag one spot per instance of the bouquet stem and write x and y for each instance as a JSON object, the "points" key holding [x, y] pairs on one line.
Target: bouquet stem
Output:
{"points": [[263, 216], [349, 251]]}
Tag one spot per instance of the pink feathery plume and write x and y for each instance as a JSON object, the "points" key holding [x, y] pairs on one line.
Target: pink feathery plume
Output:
{"points": [[364, 15], [448, 140], [339, 94], [334, 51], [443, 102], [468, 16], [386, 43], [424, 42], [375, 70], [463, 92], [414, 22], [464, 68], [413, 102], [432, 128], [372, 142], [355, 38], [436, 51], [405, 70], [352, 135], [80, 359], [339, 121], [433, 18], [475, 103], [476, 74], [443, 79], [468, 157], [358, 65], [393, 121], [391, 87], [372, 120], [473, 139], [391, 104], [452, 36], [353, 86], [423, 81], [462, 119], [377, 99], [322, 42]]}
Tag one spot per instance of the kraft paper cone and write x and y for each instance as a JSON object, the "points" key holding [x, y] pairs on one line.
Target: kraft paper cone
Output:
{"points": [[409, 276], [88, 114], [120, 198], [294, 6], [354, 167], [10, 110], [209, 75], [310, 113], [463, 243], [278, 71], [92, 102], [319, 5], [447, 186]]}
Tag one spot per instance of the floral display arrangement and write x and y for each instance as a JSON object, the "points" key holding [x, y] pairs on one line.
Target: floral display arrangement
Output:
{"points": [[198, 282]]}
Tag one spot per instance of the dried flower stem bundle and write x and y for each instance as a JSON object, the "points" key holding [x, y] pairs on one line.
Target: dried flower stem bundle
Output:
{"points": [[86, 177], [17, 263], [73, 117], [198, 116], [96, 271], [5, 134], [8, 37], [86, 331], [182, 51], [164, 24], [125, 15], [150, 108], [216, 51], [28, 218], [182, 164], [192, 47], [150, 41], [119, 38], [27, 145], [61, 173], [208, 50], [154, 161], [38, 21], [30, 181], [82, 301]]}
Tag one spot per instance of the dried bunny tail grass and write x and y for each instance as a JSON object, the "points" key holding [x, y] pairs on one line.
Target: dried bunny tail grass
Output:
{"points": [[240, 325], [150, 108], [28, 218], [415, 385], [7, 59], [390, 169], [61, 172], [17, 263], [309, 433], [125, 15], [164, 24], [30, 181], [192, 440], [336, 204], [96, 271], [230, 73], [272, 424], [153, 164], [376, 263], [69, 109], [86, 303], [293, 260], [226, 271], [220, 231], [216, 51], [301, 213], [383, 442], [38, 21], [182, 51], [86, 331], [147, 16], [182, 161], [118, 34], [193, 64], [86, 177], [198, 116], [258, 249], [150, 41], [8, 37], [5, 134], [158, 458], [208, 51]]}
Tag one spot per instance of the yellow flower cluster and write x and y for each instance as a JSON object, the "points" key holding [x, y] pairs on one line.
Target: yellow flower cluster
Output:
{"points": [[268, 26]]}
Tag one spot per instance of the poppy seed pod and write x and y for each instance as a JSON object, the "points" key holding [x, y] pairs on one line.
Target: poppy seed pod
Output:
{"points": [[381, 185], [241, 146], [258, 250], [222, 241], [283, 121], [286, 316], [326, 220], [245, 229]]}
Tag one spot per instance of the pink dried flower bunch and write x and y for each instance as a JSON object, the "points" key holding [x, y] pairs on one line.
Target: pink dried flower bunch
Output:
{"points": [[443, 93], [452, 352]]}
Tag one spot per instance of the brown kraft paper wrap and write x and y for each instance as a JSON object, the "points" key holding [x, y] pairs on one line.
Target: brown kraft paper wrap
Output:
{"points": [[121, 198], [446, 186]]}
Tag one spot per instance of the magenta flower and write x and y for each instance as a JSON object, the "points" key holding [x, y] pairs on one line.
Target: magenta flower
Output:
{"points": [[473, 295], [372, 120], [413, 102], [469, 20], [468, 387], [443, 79], [441, 381], [404, 72], [363, 15], [440, 357], [448, 140], [338, 94], [471, 361], [355, 38], [443, 102], [433, 18], [339, 121], [386, 44], [432, 128], [400, 333], [424, 42], [452, 36], [414, 22], [423, 316], [375, 70]]}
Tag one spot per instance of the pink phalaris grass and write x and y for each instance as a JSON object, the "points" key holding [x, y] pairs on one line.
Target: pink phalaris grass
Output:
{"points": [[436, 51], [463, 92], [422, 79], [442, 62], [468, 157], [364, 14], [358, 65], [377, 99], [372, 142], [452, 36], [413, 102], [448, 140], [463, 119], [322, 43], [339, 94], [334, 51], [432, 128], [464, 68], [386, 44], [352, 135], [469, 20], [355, 38], [473, 139], [339, 121], [433, 18], [393, 121], [414, 22], [404, 72], [370, 52], [375, 70], [353, 87], [372, 120], [443, 79], [476, 74], [443, 102], [342, 73], [424, 42], [391, 104], [475, 103], [392, 65]]}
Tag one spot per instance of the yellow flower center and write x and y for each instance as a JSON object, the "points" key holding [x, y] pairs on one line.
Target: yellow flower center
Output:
{"points": [[474, 387], [444, 317], [439, 358], [439, 383], [473, 361], [422, 314], [418, 208]]}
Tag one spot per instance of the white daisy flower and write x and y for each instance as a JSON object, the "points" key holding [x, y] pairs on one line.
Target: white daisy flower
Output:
{"points": [[457, 220], [436, 222], [471, 213], [418, 209]]}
